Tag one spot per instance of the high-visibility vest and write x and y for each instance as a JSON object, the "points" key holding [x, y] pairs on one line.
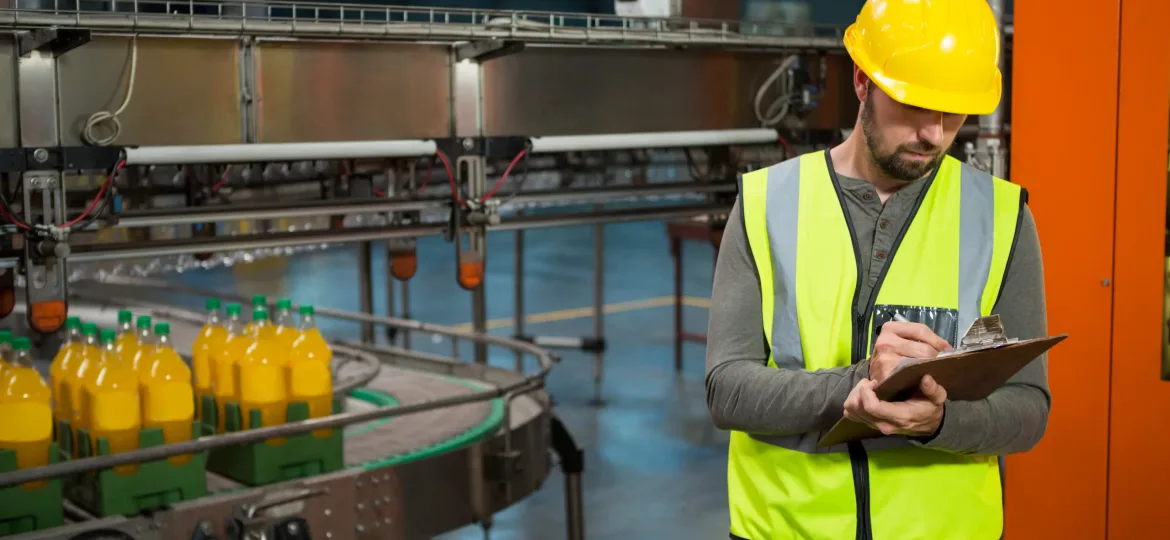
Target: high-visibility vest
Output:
{"points": [[946, 270]]}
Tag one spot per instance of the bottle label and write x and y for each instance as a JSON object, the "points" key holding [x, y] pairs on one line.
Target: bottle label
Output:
{"points": [[168, 401], [25, 421], [114, 411]]}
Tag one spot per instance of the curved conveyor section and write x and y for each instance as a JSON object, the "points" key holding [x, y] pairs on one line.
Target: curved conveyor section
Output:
{"points": [[431, 443]]}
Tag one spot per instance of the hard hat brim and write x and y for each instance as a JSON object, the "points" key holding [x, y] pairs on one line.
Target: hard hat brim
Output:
{"points": [[979, 102]]}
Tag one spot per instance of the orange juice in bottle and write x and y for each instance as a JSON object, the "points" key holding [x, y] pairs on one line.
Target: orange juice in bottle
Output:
{"points": [[210, 338], [284, 324], [261, 377], [26, 407], [111, 404], [310, 378], [258, 301], [127, 340], [143, 346], [223, 361], [66, 360], [167, 397], [86, 368]]}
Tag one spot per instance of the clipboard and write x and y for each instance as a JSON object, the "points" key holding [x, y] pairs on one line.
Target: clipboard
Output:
{"points": [[967, 375]]}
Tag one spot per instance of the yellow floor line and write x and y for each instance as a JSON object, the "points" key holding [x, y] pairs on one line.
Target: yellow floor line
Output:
{"points": [[586, 312]]}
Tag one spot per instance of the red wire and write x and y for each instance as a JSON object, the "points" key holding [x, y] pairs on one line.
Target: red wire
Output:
{"points": [[430, 167], [450, 176], [93, 204], [222, 179], [787, 148], [504, 177], [13, 220]]}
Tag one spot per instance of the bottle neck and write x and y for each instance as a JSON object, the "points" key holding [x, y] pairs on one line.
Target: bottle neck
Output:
{"points": [[308, 322], [74, 336], [91, 340], [213, 318], [23, 359]]}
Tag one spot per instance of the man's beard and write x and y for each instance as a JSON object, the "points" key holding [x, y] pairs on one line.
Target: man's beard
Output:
{"points": [[893, 164]]}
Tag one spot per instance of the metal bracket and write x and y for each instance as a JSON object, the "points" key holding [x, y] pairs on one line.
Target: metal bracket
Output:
{"points": [[500, 467], [64, 158], [54, 41], [484, 51]]}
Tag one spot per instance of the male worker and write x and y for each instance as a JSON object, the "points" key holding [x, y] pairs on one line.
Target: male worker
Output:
{"points": [[825, 249]]}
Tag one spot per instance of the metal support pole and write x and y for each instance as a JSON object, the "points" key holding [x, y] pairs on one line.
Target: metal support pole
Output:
{"points": [[518, 300], [598, 307], [479, 321], [366, 288], [391, 334], [405, 290]]}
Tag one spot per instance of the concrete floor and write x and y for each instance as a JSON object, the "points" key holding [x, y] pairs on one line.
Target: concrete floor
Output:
{"points": [[655, 467]]}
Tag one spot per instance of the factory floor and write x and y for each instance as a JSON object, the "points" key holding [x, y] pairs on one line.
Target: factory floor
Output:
{"points": [[654, 465]]}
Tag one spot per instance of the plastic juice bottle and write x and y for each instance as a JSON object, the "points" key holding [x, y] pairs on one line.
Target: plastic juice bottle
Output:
{"points": [[210, 338], [258, 301], [285, 325], [90, 355], [143, 345], [223, 362], [127, 340], [6, 357], [261, 377], [112, 404], [67, 359], [310, 376], [167, 397], [26, 405]]}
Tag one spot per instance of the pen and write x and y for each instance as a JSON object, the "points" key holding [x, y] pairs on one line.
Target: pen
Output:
{"points": [[898, 317]]}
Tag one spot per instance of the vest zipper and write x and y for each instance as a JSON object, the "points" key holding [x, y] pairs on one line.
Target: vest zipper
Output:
{"points": [[858, 458]]}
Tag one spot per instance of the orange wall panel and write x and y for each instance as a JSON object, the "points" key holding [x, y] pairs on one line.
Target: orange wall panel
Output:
{"points": [[1063, 143], [1140, 408]]}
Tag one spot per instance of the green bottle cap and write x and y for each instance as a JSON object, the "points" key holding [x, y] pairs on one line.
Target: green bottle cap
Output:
{"points": [[21, 344], [212, 303], [259, 314], [259, 300], [284, 303], [233, 309], [124, 316], [162, 329], [306, 310], [73, 322], [108, 336], [144, 322], [5, 336], [89, 329]]}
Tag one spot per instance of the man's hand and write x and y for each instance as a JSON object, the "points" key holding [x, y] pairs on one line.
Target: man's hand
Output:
{"points": [[902, 339], [919, 416]]}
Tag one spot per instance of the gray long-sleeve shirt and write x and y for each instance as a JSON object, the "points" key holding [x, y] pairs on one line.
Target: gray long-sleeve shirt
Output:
{"points": [[744, 394]]}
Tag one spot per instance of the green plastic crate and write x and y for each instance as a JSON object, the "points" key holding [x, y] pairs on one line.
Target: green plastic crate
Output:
{"points": [[24, 510], [156, 484], [259, 463]]}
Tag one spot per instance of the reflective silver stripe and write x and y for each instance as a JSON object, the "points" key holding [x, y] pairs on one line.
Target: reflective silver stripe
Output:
{"points": [[976, 241], [783, 214]]}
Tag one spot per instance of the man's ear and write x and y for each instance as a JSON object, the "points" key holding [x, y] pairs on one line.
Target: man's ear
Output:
{"points": [[861, 83]]}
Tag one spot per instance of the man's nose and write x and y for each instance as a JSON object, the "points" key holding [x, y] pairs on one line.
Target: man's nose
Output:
{"points": [[930, 129]]}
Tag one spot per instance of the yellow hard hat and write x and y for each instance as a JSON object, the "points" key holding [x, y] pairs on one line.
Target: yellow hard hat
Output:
{"points": [[941, 55]]}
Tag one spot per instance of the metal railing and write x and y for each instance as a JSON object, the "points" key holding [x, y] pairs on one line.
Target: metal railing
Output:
{"points": [[340, 20]]}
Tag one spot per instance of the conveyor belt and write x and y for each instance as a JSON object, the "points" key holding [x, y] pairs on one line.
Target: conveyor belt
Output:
{"points": [[416, 436]]}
